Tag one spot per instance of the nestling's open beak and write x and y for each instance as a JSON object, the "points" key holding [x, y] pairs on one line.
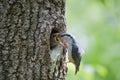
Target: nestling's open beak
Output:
{"points": [[64, 44], [59, 41]]}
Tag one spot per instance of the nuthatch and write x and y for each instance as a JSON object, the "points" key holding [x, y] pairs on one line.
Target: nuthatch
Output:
{"points": [[74, 50]]}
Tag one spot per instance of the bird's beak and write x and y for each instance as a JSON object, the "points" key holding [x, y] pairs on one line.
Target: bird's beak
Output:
{"points": [[61, 43]]}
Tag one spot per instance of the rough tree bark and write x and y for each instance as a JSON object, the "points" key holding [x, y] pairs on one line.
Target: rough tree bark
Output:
{"points": [[25, 29]]}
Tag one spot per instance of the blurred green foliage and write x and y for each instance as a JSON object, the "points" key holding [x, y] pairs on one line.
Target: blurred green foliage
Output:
{"points": [[96, 24]]}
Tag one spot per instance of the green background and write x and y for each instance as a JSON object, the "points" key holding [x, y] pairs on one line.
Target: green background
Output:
{"points": [[96, 26]]}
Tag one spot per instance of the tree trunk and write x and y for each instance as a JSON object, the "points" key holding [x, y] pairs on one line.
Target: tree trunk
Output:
{"points": [[25, 29]]}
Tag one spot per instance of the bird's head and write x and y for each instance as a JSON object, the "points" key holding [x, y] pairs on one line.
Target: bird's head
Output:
{"points": [[60, 39]]}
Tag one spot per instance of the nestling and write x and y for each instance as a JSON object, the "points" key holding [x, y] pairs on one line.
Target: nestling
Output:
{"points": [[74, 50]]}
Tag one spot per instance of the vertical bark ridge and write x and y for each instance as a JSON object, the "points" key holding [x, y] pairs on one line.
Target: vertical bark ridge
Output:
{"points": [[25, 38]]}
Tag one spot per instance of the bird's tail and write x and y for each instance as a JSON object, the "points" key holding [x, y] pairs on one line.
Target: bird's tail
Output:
{"points": [[76, 69]]}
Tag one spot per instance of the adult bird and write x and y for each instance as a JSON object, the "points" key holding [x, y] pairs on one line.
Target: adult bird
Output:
{"points": [[74, 50]]}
